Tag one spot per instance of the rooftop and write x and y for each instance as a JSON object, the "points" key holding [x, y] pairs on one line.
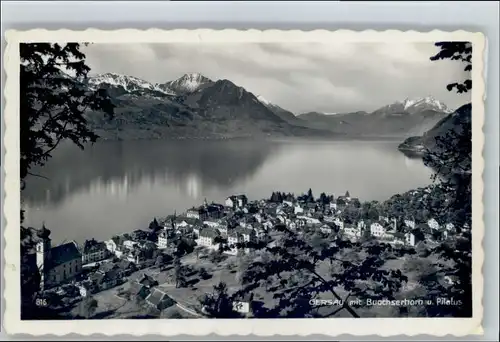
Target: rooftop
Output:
{"points": [[156, 297], [93, 246], [147, 281], [209, 232], [135, 287], [64, 253], [241, 230]]}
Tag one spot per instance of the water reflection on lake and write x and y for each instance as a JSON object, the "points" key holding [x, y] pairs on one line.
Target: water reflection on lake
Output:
{"points": [[114, 187]]}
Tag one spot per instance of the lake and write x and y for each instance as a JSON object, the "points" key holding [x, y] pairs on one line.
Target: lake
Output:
{"points": [[119, 186]]}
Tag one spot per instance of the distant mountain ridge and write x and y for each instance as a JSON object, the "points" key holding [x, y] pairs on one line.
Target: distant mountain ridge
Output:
{"points": [[192, 106], [413, 106], [282, 113], [127, 83], [401, 118], [195, 106]]}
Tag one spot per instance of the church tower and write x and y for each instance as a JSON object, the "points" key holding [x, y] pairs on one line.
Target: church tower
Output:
{"points": [[43, 247]]}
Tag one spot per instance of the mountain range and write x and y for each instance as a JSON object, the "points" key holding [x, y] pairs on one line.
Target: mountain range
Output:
{"points": [[399, 119], [194, 106]]}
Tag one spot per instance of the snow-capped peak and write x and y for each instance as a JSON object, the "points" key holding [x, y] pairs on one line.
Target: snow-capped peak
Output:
{"points": [[189, 82], [267, 103], [427, 101], [263, 100], [129, 83], [118, 80]]}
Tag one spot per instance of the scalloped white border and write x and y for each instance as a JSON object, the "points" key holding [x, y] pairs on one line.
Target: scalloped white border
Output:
{"points": [[260, 327]]}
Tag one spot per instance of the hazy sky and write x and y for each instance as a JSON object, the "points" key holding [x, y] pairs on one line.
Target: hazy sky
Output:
{"points": [[299, 77]]}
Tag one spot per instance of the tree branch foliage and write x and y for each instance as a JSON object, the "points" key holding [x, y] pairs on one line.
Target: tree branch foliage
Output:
{"points": [[456, 51], [451, 157], [451, 154], [54, 98], [293, 269], [219, 304]]}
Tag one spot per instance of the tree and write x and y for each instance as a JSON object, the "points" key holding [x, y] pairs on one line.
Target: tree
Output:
{"points": [[197, 251], [54, 99], [356, 203], [324, 199], [373, 214], [458, 51], [359, 270], [52, 108], [179, 273], [150, 250], [30, 277], [242, 267], [351, 214], [368, 211], [273, 197], [219, 304], [154, 225], [310, 197], [167, 258], [458, 253], [276, 197], [318, 241], [366, 234], [184, 246], [417, 265], [422, 250], [87, 307], [253, 209], [451, 158], [347, 194], [215, 257]]}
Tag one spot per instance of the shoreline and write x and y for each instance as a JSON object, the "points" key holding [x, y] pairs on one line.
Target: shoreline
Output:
{"points": [[258, 138], [411, 152]]}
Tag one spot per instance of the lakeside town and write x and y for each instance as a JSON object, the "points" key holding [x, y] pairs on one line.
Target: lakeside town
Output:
{"points": [[166, 269], [284, 256]]}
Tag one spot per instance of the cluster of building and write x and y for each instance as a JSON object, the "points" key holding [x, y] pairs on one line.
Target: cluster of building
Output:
{"points": [[65, 263], [241, 221], [236, 221]]}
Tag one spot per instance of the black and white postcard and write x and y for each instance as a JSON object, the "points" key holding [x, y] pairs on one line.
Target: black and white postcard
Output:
{"points": [[264, 182]]}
